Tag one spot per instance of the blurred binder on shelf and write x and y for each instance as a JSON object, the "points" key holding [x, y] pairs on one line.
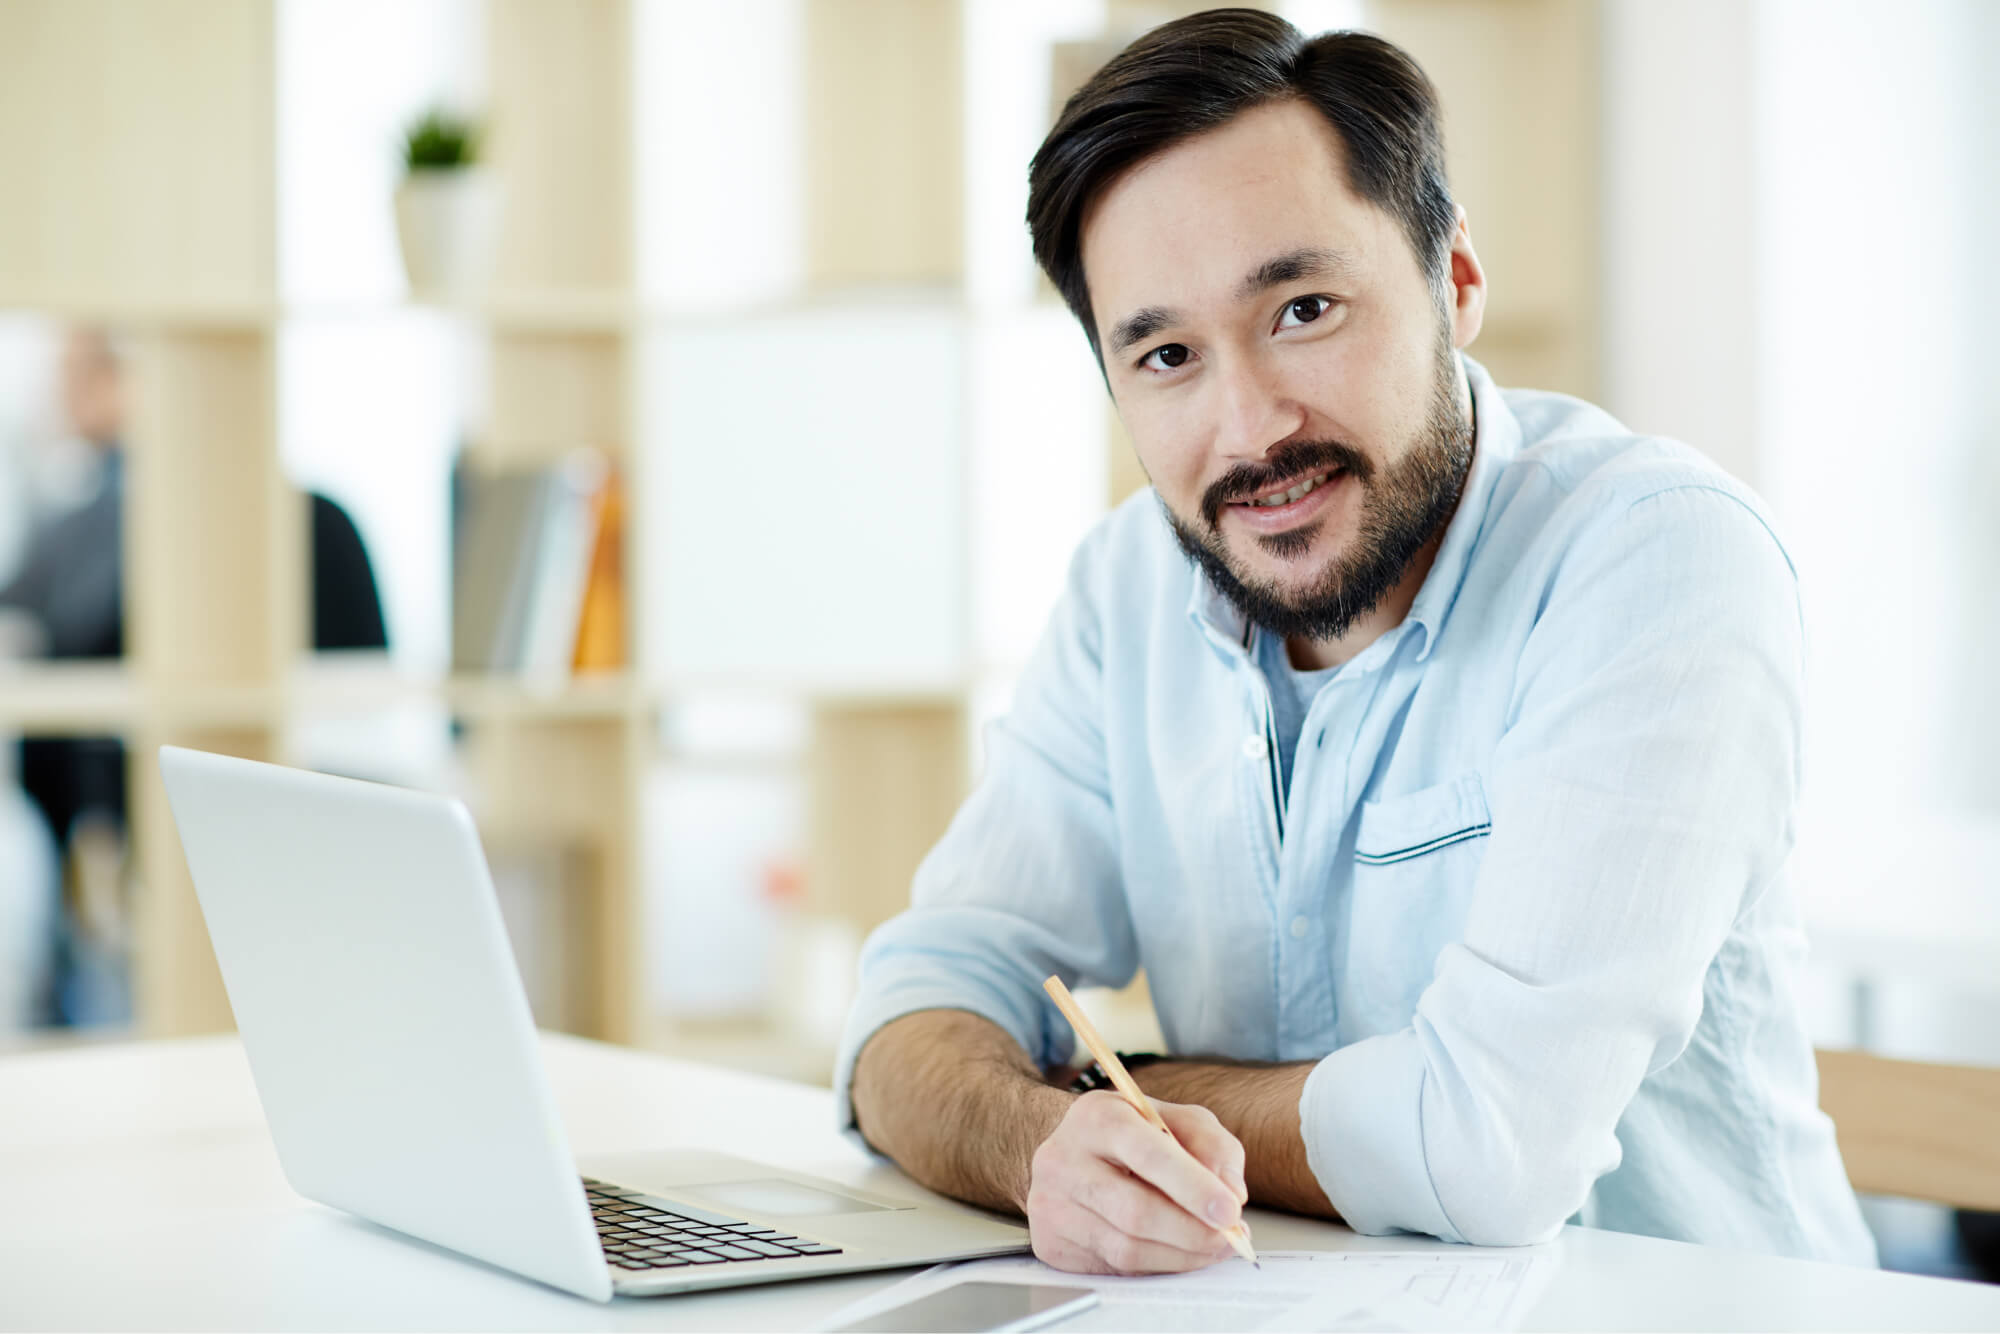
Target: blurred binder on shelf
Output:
{"points": [[499, 525], [535, 577], [600, 639]]}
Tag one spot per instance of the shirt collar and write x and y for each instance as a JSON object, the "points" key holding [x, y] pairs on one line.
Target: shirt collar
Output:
{"points": [[1216, 616], [1496, 439]]}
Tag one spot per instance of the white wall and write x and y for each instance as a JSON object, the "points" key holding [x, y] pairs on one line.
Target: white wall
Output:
{"points": [[1795, 193], [807, 491], [1868, 356], [1679, 312], [719, 144], [1793, 190]]}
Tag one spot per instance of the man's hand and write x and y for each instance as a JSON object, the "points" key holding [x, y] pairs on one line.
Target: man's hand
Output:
{"points": [[1108, 1194], [1259, 1104], [963, 1109]]}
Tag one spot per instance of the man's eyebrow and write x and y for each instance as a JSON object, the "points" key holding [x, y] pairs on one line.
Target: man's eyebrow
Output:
{"points": [[1139, 326], [1305, 262]]}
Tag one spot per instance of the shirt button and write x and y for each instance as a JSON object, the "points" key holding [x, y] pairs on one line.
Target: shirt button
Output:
{"points": [[1253, 747], [1299, 928]]}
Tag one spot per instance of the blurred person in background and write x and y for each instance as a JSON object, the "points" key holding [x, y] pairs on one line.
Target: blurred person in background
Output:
{"points": [[28, 899], [1433, 747], [67, 603], [66, 593]]}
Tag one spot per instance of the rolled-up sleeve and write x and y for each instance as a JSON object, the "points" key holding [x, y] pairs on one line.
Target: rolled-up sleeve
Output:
{"points": [[1641, 797], [1025, 882]]}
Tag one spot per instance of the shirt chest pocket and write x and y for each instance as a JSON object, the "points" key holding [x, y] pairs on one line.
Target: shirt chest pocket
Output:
{"points": [[1416, 856]]}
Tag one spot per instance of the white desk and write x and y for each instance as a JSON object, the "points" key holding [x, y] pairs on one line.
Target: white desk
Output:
{"points": [[138, 1189]]}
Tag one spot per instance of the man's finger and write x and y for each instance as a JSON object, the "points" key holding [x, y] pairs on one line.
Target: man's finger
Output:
{"points": [[1154, 1156], [1202, 1135], [1135, 1208], [1122, 1252]]}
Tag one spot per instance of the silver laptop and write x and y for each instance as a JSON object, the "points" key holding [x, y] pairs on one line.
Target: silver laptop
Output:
{"points": [[393, 1051]]}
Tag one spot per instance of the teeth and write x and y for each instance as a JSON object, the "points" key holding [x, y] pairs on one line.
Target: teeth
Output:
{"points": [[1287, 497]]}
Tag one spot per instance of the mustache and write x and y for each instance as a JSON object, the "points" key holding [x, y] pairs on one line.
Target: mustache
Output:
{"points": [[1299, 459]]}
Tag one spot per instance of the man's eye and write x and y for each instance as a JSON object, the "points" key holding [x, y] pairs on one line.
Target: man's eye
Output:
{"points": [[1166, 357], [1304, 311]]}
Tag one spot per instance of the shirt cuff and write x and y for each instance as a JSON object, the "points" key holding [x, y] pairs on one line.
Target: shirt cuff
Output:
{"points": [[1361, 1117]]}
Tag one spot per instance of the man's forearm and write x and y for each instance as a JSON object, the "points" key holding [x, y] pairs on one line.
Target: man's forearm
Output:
{"points": [[957, 1103], [1259, 1104]]}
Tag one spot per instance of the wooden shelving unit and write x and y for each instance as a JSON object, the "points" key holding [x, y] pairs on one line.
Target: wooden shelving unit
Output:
{"points": [[145, 201]]}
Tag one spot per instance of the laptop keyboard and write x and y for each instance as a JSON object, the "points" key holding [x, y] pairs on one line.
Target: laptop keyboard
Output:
{"points": [[642, 1231]]}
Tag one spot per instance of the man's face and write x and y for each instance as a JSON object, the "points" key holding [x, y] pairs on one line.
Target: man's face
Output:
{"points": [[92, 394], [1265, 330]]}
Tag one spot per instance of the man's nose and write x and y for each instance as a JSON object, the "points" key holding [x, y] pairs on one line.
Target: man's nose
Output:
{"points": [[1257, 412]]}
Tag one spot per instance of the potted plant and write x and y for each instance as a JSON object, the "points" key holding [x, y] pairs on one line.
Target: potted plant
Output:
{"points": [[447, 209]]}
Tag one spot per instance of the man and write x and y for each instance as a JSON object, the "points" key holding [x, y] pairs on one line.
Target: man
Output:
{"points": [[1433, 748], [68, 583]]}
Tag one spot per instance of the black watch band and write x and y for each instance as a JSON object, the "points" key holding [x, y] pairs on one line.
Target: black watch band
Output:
{"points": [[1092, 1076]]}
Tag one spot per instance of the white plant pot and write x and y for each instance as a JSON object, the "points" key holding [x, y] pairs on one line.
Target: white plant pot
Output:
{"points": [[449, 224]]}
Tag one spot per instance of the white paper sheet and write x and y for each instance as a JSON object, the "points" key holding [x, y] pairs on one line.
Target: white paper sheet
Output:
{"points": [[1295, 1290]]}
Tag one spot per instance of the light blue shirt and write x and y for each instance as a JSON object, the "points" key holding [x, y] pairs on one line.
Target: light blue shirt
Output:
{"points": [[1524, 899]]}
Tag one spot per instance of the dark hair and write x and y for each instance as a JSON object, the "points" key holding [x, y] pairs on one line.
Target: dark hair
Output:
{"points": [[1195, 73]]}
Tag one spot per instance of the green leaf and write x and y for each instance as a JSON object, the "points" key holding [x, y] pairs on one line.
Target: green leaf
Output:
{"points": [[440, 140]]}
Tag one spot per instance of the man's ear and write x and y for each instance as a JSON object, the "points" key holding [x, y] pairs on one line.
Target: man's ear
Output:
{"points": [[1468, 284]]}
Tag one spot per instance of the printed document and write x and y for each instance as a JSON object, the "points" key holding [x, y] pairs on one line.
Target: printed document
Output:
{"points": [[1469, 1289]]}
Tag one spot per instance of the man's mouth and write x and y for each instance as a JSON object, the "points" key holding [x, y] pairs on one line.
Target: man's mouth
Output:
{"points": [[1285, 495]]}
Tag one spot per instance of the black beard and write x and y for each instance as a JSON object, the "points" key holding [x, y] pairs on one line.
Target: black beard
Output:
{"points": [[1400, 513]]}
